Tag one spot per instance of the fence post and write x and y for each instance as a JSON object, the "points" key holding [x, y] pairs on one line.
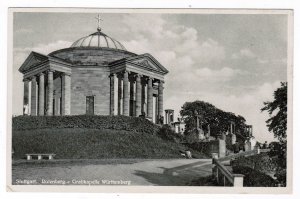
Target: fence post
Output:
{"points": [[217, 172], [222, 148], [238, 180]]}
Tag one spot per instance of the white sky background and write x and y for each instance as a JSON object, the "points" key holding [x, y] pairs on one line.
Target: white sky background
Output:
{"points": [[234, 62]]}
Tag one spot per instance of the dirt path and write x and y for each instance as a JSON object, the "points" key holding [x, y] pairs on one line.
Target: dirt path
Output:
{"points": [[140, 172]]}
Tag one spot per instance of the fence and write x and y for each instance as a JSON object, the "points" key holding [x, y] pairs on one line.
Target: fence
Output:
{"points": [[224, 176]]}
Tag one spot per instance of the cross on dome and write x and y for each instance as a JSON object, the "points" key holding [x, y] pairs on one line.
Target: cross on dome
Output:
{"points": [[98, 19]]}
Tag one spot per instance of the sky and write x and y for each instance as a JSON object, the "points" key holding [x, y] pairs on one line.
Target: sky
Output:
{"points": [[233, 61]]}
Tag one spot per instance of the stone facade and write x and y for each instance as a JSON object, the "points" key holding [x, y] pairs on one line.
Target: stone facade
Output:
{"points": [[90, 82], [94, 80]]}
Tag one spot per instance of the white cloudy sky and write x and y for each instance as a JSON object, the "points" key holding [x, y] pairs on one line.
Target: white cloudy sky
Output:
{"points": [[232, 61]]}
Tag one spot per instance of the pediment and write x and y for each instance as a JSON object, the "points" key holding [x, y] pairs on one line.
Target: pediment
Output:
{"points": [[32, 60], [147, 61]]}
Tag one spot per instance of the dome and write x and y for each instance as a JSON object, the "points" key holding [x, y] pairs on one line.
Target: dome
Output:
{"points": [[98, 39]]}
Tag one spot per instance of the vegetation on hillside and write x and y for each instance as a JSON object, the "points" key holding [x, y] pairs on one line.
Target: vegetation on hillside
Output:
{"points": [[255, 178], [134, 124], [93, 137], [217, 119], [69, 143]]}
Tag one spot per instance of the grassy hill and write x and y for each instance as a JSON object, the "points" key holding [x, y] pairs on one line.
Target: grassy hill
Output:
{"points": [[92, 137]]}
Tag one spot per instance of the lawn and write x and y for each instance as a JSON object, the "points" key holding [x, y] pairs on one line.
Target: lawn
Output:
{"points": [[81, 143]]}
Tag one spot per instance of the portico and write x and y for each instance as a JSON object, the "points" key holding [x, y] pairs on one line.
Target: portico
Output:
{"points": [[139, 90], [41, 78]]}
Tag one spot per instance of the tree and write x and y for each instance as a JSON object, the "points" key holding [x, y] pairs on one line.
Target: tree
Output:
{"points": [[277, 124], [277, 109], [217, 119]]}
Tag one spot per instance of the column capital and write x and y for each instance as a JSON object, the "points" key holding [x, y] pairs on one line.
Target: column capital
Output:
{"points": [[26, 80], [50, 71], [137, 78], [32, 78], [138, 75], [123, 72], [149, 78], [161, 81], [112, 75], [65, 74], [40, 74], [161, 85]]}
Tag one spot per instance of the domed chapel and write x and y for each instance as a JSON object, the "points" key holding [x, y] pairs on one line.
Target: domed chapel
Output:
{"points": [[95, 75]]}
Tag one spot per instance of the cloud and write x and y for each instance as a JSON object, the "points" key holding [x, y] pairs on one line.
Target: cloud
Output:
{"points": [[24, 31], [243, 53], [155, 35], [220, 75], [20, 54], [152, 26], [45, 48]]}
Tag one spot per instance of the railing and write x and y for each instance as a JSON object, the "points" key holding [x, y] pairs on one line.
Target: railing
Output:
{"points": [[224, 176]]}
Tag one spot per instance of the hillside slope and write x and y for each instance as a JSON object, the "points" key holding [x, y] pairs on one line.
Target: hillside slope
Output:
{"points": [[92, 144], [76, 137]]}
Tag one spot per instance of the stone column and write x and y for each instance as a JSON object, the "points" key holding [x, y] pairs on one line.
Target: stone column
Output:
{"points": [[41, 94], [131, 98], [50, 93], [119, 95], [26, 97], [150, 99], [33, 96], [112, 93], [160, 99], [66, 94], [143, 84], [138, 104], [156, 116], [125, 94]]}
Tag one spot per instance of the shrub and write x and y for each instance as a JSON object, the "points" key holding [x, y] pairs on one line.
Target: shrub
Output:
{"points": [[265, 164], [205, 148], [167, 133], [134, 124], [92, 144], [281, 176], [254, 178], [89, 137], [261, 162]]}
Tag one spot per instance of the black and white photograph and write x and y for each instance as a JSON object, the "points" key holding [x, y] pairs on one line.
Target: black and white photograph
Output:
{"points": [[151, 98]]}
